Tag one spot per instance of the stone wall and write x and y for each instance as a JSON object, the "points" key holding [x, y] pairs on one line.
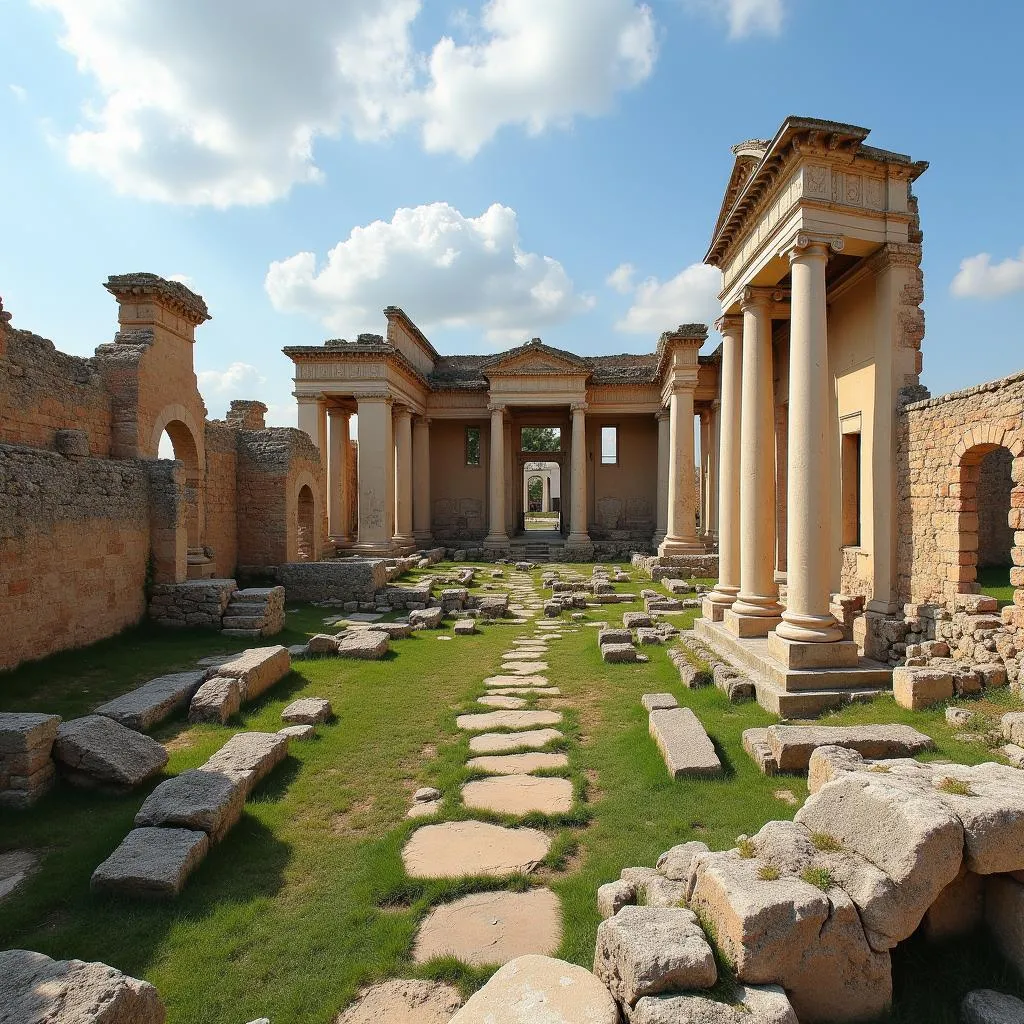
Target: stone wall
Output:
{"points": [[221, 533], [196, 603], [342, 579], [995, 535]]}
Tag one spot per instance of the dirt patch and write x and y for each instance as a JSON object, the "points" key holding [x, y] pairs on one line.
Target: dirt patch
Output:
{"points": [[404, 1002], [357, 820], [180, 742], [594, 791], [429, 752], [786, 797]]}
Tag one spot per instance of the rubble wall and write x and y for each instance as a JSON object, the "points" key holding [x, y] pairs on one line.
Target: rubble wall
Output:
{"points": [[221, 533]]}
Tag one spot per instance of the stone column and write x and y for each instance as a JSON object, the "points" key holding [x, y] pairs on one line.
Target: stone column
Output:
{"points": [[311, 419], [661, 514], [376, 473], [681, 536], [807, 619], [578, 532], [422, 529], [496, 537], [337, 475], [705, 476], [713, 455], [756, 610], [721, 598], [403, 476]]}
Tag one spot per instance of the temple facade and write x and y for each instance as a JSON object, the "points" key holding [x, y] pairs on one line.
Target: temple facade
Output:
{"points": [[447, 444]]}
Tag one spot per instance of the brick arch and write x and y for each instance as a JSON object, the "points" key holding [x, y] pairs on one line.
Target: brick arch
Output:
{"points": [[179, 424], [305, 504]]}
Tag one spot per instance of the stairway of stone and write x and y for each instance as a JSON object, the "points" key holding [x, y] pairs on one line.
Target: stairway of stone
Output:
{"points": [[254, 612]]}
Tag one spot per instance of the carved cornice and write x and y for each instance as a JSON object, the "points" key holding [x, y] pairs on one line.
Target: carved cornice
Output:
{"points": [[662, 414], [730, 324], [401, 411], [375, 396], [810, 243], [894, 254], [172, 295]]}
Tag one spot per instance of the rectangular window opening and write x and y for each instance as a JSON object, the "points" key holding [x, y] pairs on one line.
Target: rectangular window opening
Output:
{"points": [[851, 490], [472, 446], [540, 439], [609, 446]]}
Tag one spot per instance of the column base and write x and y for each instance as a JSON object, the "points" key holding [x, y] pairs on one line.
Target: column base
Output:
{"points": [[424, 539], [496, 541], [747, 626], [711, 611], [577, 540], [718, 602], [680, 546], [795, 654], [372, 549], [810, 629], [403, 540]]}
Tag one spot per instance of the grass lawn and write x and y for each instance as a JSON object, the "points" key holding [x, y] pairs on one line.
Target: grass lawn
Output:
{"points": [[306, 899], [995, 582]]}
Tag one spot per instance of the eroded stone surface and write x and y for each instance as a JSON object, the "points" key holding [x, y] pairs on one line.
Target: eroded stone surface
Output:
{"points": [[96, 751], [248, 757], [307, 711], [505, 681], [504, 702], [491, 927], [503, 742], [754, 1004], [507, 720], [683, 743], [217, 700], [257, 670], [519, 794], [368, 644], [458, 848], [518, 764], [151, 863], [198, 800], [156, 700], [792, 745], [985, 1006], [404, 1002]]}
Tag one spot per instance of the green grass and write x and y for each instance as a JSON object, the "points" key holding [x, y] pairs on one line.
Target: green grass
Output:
{"points": [[306, 899], [994, 581]]}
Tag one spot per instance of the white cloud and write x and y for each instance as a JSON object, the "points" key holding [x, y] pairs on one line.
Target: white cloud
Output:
{"points": [[442, 267], [689, 297], [20, 93], [234, 380], [201, 104], [744, 17], [980, 278], [621, 278]]}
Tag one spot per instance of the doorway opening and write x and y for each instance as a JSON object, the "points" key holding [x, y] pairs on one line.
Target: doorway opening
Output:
{"points": [[542, 497]]}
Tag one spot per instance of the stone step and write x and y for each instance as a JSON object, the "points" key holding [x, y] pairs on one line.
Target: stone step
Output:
{"points": [[242, 621], [811, 703], [244, 634], [246, 608]]}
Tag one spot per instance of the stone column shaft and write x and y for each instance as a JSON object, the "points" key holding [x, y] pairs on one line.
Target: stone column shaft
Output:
{"points": [[713, 457], [578, 515], [376, 473], [705, 474], [422, 528], [403, 476], [756, 610], [497, 537], [681, 536], [337, 475], [664, 440]]}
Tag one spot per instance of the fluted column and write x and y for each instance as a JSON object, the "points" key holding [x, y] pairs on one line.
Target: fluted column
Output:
{"points": [[422, 529], [337, 475], [376, 473], [661, 513], [681, 536], [497, 537], [807, 618], [756, 610], [578, 511], [721, 598], [403, 476]]}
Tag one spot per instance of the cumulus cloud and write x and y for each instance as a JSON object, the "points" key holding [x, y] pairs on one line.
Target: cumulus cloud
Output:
{"points": [[744, 17], [980, 278], [200, 105], [689, 297], [442, 267], [232, 381]]}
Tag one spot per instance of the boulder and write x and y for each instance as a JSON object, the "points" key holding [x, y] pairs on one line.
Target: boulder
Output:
{"points": [[257, 670], [642, 951], [683, 743], [792, 745], [217, 700], [248, 757], [307, 711], [97, 752], [151, 863], [985, 1006], [613, 896], [156, 700], [198, 800], [534, 989], [677, 863], [368, 644], [751, 1004], [37, 990], [426, 618]]}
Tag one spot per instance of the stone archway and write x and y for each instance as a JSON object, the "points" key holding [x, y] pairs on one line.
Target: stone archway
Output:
{"points": [[186, 451], [305, 525]]}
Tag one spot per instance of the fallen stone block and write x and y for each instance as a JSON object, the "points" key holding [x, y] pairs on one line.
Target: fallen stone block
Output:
{"points": [[307, 711], [199, 800], [921, 687], [540, 989], [642, 951], [151, 863], [26, 770], [683, 743], [98, 753], [828, 763], [322, 643], [217, 700], [792, 745], [677, 863], [298, 732], [367, 644], [394, 630], [493, 606], [155, 701], [614, 636], [755, 743], [426, 618], [465, 627], [636, 620], [650, 636], [985, 1006], [37, 990], [613, 896], [658, 701], [248, 757], [257, 670], [616, 654], [751, 1004]]}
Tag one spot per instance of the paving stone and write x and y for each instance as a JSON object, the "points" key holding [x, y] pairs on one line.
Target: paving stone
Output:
{"points": [[257, 670], [368, 644], [151, 863], [518, 764], [307, 711], [197, 800], [524, 668], [517, 680], [985, 1006], [217, 700], [538, 691], [154, 701], [658, 701], [458, 848], [792, 745], [97, 752], [504, 702], [507, 720], [519, 794], [424, 809], [298, 732], [37, 990], [364, 616], [751, 1004], [404, 1002], [683, 743], [248, 757], [642, 951], [502, 742], [522, 655], [491, 927]]}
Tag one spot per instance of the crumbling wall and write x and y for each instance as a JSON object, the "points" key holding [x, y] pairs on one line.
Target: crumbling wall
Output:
{"points": [[221, 534], [995, 535]]}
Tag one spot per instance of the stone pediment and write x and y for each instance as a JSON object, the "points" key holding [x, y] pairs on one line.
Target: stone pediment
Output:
{"points": [[535, 359]]}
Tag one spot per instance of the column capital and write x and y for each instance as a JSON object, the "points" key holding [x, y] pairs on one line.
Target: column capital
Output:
{"points": [[493, 407], [811, 243], [401, 411], [375, 396], [578, 407], [759, 298], [338, 412], [422, 421], [662, 414], [729, 323], [307, 399]]}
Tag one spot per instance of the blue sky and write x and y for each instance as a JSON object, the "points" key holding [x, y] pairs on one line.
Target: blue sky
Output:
{"points": [[500, 170]]}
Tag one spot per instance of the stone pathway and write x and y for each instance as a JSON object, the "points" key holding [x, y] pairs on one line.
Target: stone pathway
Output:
{"points": [[507, 743]]}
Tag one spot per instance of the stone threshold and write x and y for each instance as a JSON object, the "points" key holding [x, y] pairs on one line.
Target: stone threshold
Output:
{"points": [[795, 693]]}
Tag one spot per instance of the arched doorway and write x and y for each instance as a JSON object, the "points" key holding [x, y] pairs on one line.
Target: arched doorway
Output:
{"points": [[305, 525], [178, 443]]}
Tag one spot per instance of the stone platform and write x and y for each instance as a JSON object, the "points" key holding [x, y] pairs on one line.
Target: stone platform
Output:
{"points": [[790, 692]]}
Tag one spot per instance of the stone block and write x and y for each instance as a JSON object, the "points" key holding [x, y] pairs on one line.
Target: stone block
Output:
{"points": [[642, 951], [613, 896], [750, 1004], [154, 701], [26, 770], [636, 620], [307, 711], [797, 656], [683, 743], [200, 801], [676, 864], [792, 745], [426, 618], [614, 636], [37, 990], [248, 757], [217, 700], [257, 670], [394, 630], [321, 643], [342, 579], [465, 627], [98, 753], [917, 688], [828, 763], [151, 863], [755, 743], [658, 701], [367, 644], [619, 653]]}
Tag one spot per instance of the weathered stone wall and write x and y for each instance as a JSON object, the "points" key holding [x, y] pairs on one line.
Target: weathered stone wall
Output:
{"points": [[942, 443], [995, 535], [195, 603], [74, 545], [221, 533], [342, 579]]}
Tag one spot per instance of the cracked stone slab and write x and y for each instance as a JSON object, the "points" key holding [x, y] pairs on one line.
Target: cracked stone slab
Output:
{"points": [[97, 752], [455, 849], [504, 742], [519, 794], [197, 800], [507, 720]]}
